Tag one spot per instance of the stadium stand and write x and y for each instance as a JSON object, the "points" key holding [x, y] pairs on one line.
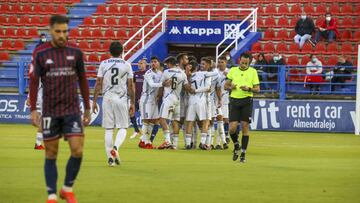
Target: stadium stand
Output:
{"points": [[95, 22]]}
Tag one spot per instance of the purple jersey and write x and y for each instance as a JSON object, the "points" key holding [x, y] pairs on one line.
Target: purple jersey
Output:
{"points": [[138, 80]]}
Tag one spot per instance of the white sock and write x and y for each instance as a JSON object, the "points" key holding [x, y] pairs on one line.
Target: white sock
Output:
{"points": [[150, 128], [67, 189], [203, 138], [120, 138], [52, 196], [221, 131], [188, 139], [39, 138], [175, 139], [212, 135], [108, 142], [194, 135], [144, 132], [218, 139], [167, 136]]}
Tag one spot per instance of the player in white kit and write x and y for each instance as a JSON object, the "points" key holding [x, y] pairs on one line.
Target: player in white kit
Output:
{"points": [[148, 102], [198, 103], [115, 79], [170, 108]]}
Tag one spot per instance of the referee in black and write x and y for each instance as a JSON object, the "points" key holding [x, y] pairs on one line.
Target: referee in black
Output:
{"points": [[242, 81]]}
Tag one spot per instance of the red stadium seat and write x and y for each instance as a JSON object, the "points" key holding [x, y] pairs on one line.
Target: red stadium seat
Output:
{"points": [[132, 32], [293, 60], [283, 22], [356, 37], [283, 35], [33, 33], [39, 9], [282, 48], [347, 9], [347, 22], [106, 46], [3, 20], [97, 34], [12, 20], [18, 45], [270, 9], [136, 10], [332, 60], [49, 9], [5, 8], [345, 36], [294, 49], [307, 48], [270, 22], [86, 34], [269, 34], [332, 48], [74, 34], [6, 45], [121, 34], [305, 59], [84, 45], [319, 21], [357, 9], [111, 22], [148, 10], [10, 32], [347, 48], [283, 9], [334, 9], [88, 21], [96, 46], [320, 9], [109, 34], [27, 9], [135, 22], [357, 23], [45, 20], [320, 48], [15, 8], [147, 19], [21, 33], [93, 58], [269, 47], [296, 9], [105, 57], [293, 22], [309, 9], [113, 9], [4, 56], [99, 21], [36, 21], [123, 22], [101, 10], [124, 9], [256, 47], [61, 9], [2, 34], [24, 20]]}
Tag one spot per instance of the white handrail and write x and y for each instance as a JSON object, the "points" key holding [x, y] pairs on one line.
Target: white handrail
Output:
{"points": [[237, 36]]}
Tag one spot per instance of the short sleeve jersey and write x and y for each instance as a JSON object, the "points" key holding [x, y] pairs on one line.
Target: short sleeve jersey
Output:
{"points": [[178, 80], [148, 91], [248, 77]]}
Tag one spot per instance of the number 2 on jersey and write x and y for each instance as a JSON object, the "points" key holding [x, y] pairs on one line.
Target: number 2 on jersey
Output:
{"points": [[173, 82], [114, 76]]}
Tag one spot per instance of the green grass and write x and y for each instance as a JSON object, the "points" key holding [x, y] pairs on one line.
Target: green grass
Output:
{"points": [[281, 167]]}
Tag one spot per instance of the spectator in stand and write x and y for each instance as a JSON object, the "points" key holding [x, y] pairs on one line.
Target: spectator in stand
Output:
{"points": [[42, 39], [274, 63], [342, 72], [327, 30], [304, 29], [260, 64], [314, 71]]}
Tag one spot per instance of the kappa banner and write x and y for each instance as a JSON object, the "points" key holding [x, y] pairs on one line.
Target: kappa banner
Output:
{"points": [[202, 31], [312, 116]]}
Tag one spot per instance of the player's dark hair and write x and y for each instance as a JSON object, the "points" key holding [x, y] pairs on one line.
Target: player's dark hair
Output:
{"points": [[245, 55], [116, 49], [206, 59], [180, 56], [58, 19], [155, 58], [171, 60], [192, 58], [222, 58], [194, 66]]}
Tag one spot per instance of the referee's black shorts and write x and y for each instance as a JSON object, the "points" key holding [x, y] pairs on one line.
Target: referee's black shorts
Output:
{"points": [[240, 109]]}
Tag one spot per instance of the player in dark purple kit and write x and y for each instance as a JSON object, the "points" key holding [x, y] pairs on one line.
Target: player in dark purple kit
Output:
{"points": [[60, 66], [138, 81]]}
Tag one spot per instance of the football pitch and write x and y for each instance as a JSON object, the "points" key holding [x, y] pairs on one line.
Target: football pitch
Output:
{"points": [[281, 167]]}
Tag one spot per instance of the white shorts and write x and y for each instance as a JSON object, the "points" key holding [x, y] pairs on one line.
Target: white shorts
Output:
{"points": [[115, 112], [214, 111], [183, 107], [148, 110], [197, 111], [225, 110], [170, 109]]}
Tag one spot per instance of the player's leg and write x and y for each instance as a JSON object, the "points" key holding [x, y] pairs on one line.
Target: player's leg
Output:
{"points": [[166, 112], [109, 143], [109, 124], [133, 121], [176, 129], [235, 118], [154, 130], [204, 124], [39, 139], [245, 120], [191, 114]]}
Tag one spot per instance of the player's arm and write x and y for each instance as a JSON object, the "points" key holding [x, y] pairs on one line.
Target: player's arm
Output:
{"points": [[84, 88], [97, 90], [131, 90], [34, 74], [229, 85], [218, 94]]}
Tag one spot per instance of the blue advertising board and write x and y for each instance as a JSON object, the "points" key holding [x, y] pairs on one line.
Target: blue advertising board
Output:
{"points": [[304, 115], [202, 31]]}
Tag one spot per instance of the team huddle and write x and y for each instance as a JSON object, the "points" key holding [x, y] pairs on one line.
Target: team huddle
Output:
{"points": [[184, 96]]}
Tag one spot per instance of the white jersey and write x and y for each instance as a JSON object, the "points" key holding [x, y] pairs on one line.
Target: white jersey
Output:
{"points": [[201, 83], [178, 80], [215, 83], [115, 73], [151, 85], [224, 93]]}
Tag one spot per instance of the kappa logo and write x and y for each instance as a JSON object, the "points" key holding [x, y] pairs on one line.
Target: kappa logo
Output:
{"points": [[70, 58], [175, 31], [49, 61]]}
